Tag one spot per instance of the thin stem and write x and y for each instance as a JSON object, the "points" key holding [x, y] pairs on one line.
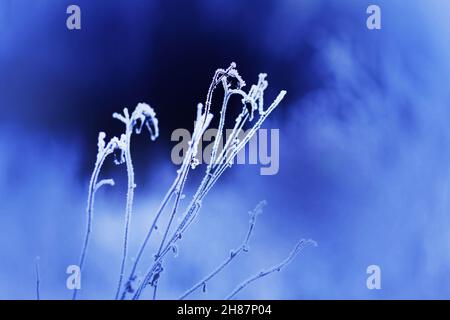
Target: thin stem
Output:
{"points": [[300, 245], [155, 288], [219, 75], [234, 253], [219, 131], [174, 211], [148, 275], [38, 279], [209, 180], [179, 191], [181, 176], [142, 114], [90, 211], [202, 123], [129, 206], [162, 205], [203, 282], [213, 172], [234, 151], [242, 118]]}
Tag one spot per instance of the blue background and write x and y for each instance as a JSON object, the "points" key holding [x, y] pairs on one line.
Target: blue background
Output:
{"points": [[364, 134]]}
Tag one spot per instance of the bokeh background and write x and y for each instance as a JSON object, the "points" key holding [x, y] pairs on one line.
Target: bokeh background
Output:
{"points": [[364, 134]]}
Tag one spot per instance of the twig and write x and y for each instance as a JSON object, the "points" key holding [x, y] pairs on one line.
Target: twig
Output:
{"points": [[130, 195], [132, 276], [201, 124], [143, 114], [255, 99], [155, 287], [233, 254], [300, 245], [104, 150]]}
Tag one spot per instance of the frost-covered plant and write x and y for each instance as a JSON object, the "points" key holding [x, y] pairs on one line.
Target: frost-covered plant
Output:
{"points": [[252, 113], [143, 114], [103, 151], [244, 247], [298, 247], [252, 102]]}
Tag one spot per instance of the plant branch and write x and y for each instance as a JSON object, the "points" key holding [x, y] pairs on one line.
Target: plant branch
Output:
{"points": [[233, 254], [255, 99], [143, 114], [103, 152], [201, 124], [300, 245]]}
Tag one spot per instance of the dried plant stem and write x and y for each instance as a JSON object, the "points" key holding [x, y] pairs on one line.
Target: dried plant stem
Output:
{"points": [[177, 190], [173, 190], [230, 154], [178, 193], [215, 168], [90, 210], [148, 275], [300, 245], [129, 208], [162, 205], [234, 253], [155, 288], [143, 114], [38, 279]]}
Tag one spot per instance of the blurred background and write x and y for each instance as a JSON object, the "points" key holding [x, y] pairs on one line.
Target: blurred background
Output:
{"points": [[364, 143]]}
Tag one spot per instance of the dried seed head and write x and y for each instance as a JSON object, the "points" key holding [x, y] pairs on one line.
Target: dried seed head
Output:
{"points": [[144, 114]]}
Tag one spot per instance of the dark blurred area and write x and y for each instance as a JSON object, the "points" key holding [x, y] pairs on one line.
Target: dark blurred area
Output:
{"points": [[160, 52]]}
